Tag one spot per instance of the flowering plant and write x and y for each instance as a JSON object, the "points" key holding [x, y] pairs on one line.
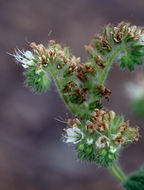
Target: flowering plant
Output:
{"points": [[97, 133]]}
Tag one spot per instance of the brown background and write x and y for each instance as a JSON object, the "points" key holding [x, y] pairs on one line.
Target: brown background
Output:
{"points": [[32, 155]]}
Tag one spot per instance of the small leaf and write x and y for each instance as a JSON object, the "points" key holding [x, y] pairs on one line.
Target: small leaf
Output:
{"points": [[135, 181]]}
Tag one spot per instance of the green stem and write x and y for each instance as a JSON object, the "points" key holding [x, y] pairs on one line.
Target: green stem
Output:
{"points": [[101, 80], [117, 172], [110, 61], [58, 84]]}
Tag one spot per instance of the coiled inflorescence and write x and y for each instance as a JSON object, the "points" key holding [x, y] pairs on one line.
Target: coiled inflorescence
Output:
{"points": [[100, 138], [130, 38]]}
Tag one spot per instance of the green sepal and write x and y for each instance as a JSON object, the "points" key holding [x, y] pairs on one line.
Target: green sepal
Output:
{"points": [[39, 82], [66, 52], [105, 158], [85, 152]]}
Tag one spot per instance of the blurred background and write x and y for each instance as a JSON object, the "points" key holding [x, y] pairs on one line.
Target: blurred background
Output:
{"points": [[32, 154]]}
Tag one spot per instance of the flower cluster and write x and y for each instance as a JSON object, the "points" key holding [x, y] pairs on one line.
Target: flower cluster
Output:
{"points": [[115, 37], [100, 138], [72, 78], [81, 84], [42, 61], [98, 134]]}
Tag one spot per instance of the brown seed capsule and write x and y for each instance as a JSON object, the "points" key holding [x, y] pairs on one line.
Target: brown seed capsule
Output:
{"points": [[118, 139], [73, 122], [102, 142], [69, 122], [89, 46], [104, 91], [99, 61], [80, 72], [52, 42], [90, 127], [105, 44], [72, 68], [120, 31], [51, 53], [89, 68], [33, 45], [69, 87], [100, 120], [102, 126], [123, 126], [80, 94], [134, 133]]}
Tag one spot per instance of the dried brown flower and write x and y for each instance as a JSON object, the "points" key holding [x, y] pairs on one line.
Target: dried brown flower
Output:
{"points": [[104, 91]]}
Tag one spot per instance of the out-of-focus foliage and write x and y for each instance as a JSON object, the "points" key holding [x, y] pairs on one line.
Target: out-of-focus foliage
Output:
{"points": [[135, 181]]}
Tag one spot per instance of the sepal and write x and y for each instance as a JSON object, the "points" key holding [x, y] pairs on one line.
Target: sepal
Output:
{"points": [[38, 80]]}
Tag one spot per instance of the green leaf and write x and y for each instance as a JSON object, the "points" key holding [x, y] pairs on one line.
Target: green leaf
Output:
{"points": [[135, 181], [132, 57]]}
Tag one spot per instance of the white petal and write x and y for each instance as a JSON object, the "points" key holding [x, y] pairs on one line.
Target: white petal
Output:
{"points": [[77, 130], [113, 149], [74, 135], [90, 141], [25, 66], [71, 140], [29, 55], [30, 62], [26, 58], [70, 132]]}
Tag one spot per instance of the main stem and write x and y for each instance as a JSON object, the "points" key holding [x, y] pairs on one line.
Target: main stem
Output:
{"points": [[117, 172]]}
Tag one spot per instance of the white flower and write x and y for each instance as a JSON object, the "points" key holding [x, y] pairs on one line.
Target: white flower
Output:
{"points": [[89, 141], [24, 57], [74, 135], [113, 149]]}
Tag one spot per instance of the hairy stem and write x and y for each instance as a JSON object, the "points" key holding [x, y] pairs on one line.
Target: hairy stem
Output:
{"points": [[110, 61], [117, 172], [58, 85], [102, 78]]}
